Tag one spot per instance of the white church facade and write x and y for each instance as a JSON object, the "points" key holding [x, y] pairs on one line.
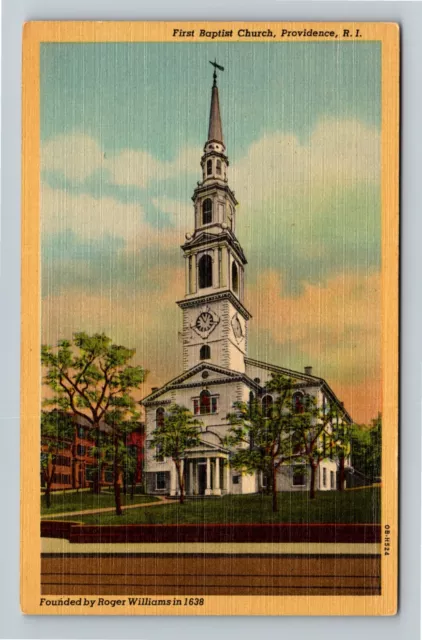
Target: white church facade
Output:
{"points": [[216, 368]]}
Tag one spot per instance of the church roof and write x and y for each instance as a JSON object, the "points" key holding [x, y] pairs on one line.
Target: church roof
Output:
{"points": [[305, 377], [215, 129]]}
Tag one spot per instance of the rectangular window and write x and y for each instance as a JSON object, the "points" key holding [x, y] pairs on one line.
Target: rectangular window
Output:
{"points": [[159, 454], [324, 477], [108, 475], [80, 450], [332, 479], [213, 405], [196, 406], [298, 476], [160, 480], [236, 479]]}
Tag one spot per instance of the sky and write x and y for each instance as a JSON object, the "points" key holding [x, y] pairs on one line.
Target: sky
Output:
{"points": [[122, 132]]}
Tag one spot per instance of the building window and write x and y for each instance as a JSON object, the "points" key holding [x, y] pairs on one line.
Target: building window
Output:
{"points": [[80, 450], [218, 167], [160, 480], [235, 278], [236, 479], [205, 271], [207, 211], [267, 402], [205, 404], [332, 480], [209, 167], [298, 476], [297, 402], [159, 417], [324, 477], [81, 432], [108, 476], [205, 352], [159, 456]]}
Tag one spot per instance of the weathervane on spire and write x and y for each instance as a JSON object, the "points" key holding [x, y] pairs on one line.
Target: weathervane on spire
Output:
{"points": [[216, 66]]}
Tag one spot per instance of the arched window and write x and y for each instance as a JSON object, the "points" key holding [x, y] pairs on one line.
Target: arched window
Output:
{"points": [[205, 271], [209, 167], [207, 211], [266, 405], [298, 402], [204, 402], [235, 278], [159, 417], [205, 352], [218, 168]]}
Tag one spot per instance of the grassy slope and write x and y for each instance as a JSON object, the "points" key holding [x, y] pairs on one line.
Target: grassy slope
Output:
{"points": [[358, 506], [80, 501]]}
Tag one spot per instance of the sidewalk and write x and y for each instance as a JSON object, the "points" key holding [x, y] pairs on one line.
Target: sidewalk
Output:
{"points": [[161, 500]]}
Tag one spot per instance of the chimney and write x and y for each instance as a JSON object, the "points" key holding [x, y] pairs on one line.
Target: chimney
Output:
{"points": [[308, 371]]}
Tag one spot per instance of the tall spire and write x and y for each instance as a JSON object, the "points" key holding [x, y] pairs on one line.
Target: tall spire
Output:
{"points": [[215, 130]]}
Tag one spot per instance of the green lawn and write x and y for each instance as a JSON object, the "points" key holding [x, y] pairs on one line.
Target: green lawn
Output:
{"points": [[82, 500], [358, 506]]}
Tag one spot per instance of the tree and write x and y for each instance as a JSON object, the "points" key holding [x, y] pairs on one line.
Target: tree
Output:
{"points": [[366, 444], [264, 433], [57, 430], [178, 432], [90, 376]]}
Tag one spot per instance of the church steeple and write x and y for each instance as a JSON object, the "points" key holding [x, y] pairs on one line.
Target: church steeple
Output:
{"points": [[215, 318], [215, 130]]}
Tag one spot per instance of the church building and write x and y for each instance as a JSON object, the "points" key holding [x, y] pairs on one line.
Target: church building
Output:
{"points": [[217, 370]]}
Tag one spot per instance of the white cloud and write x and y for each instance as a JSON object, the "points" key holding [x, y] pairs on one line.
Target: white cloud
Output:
{"points": [[338, 154], [75, 155], [88, 217]]}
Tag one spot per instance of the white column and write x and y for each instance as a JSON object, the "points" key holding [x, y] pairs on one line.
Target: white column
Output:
{"points": [[182, 468], [215, 282], [208, 490], [191, 477], [173, 480], [187, 274], [227, 487], [217, 489]]}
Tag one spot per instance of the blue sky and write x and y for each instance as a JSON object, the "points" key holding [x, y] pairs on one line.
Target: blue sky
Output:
{"points": [[122, 132]]}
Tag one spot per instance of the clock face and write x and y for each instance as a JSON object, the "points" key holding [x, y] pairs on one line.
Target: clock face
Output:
{"points": [[204, 322], [237, 328]]}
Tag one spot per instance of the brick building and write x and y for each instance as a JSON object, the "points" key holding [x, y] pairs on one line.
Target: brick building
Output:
{"points": [[76, 463]]}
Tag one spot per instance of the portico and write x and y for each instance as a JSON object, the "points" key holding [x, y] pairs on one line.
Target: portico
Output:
{"points": [[206, 473]]}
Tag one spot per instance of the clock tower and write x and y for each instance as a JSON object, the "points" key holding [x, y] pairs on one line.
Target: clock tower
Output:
{"points": [[214, 316]]}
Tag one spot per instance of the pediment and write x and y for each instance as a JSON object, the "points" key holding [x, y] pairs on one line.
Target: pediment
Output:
{"points": [[195, 377]]}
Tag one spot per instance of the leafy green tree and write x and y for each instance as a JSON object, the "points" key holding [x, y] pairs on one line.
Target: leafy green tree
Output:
{"points": [[57, 430], [264, 435], [366, 444], [178, 432], [90, 377]]}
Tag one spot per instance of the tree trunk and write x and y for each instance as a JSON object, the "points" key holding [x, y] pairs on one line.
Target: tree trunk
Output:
{"points": [[181, 483], [313, 479], [47, 493], [96, 483], [274, 488], [341, 474], [48, 482], [117, 496]]}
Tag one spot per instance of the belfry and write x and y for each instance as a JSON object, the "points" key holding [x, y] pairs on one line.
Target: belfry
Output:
{"points": [[217, 371], [214, 316]]}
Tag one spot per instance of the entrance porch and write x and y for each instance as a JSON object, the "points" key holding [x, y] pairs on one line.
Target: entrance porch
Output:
{"points": [[205, 475]]}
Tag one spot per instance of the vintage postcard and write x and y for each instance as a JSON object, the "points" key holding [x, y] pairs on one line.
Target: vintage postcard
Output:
{"points": [[210, 318]]}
